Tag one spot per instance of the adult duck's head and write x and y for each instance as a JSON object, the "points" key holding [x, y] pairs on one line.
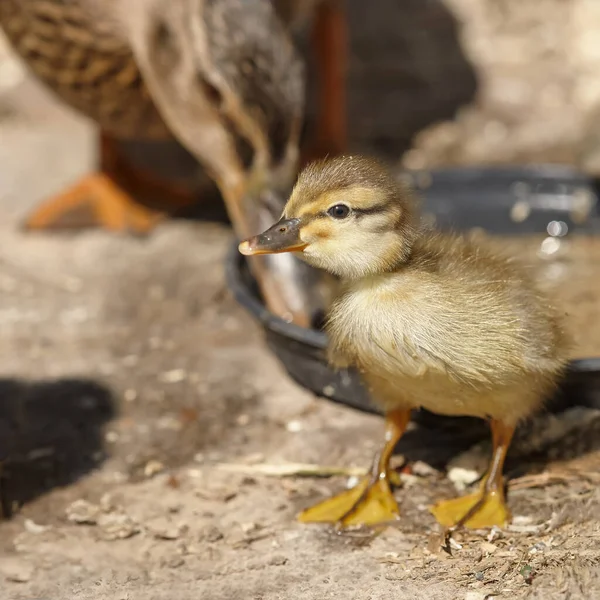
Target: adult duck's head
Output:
{"points": [[228, 81]]}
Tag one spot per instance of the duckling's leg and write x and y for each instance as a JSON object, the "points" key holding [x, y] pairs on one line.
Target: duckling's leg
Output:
{"points": [[371, 501], [487, 507], [97, 200], [330, 45]]}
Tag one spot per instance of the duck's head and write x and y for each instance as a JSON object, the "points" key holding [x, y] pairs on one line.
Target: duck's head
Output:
{"points": [[227, 79], [347, 215]]}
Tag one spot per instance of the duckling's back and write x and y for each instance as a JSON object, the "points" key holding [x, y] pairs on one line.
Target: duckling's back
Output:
{"points": [[459, 329]]}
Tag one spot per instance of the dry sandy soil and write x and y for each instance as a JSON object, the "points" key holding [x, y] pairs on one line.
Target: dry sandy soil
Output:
{"points": [[129, 377]]}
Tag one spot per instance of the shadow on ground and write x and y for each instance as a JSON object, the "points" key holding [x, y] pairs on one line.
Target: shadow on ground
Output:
{"points": [[50, 435], [567, 428]]}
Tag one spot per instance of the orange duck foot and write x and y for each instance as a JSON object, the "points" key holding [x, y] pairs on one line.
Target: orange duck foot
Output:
{"points": [[475, 511], [369, 503], [96, 201]]}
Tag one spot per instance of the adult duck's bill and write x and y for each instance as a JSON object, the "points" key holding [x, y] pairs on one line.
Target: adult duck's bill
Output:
{"points": [[284, 236]]}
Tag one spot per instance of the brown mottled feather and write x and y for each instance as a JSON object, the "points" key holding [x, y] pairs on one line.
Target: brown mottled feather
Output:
{"points": [[235, 53], [83, 56]]}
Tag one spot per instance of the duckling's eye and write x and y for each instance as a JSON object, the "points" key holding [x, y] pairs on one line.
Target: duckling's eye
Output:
{"points": [[339, 211]]}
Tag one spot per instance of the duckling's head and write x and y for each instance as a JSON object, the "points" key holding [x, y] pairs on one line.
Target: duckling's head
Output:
{"points": [[347, 215]]}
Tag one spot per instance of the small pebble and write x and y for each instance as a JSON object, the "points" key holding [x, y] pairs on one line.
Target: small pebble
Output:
{"points": [[174, 376], [242, 420], [210, 534], [33, 527], [130, 395], [131, 360], [494, 533], [522, 520], [454, 544], [164, 529], [461, 478], [475, 595], [422, 469], [169, 423], [328, 391], [111, 437], [115, 526], [175, 562], [294, 426], [106, 503], [253, 459], [153, 467], [249, 527], [488, 548], [16, 569], [539, 547], [83, 512]]}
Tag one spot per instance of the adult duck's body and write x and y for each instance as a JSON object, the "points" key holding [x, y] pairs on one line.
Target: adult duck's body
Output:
{"points": [[221, 76], [132, 66]]}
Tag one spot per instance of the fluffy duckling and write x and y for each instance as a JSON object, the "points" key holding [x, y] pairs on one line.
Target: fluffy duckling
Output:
{"points": [[429, 320]]}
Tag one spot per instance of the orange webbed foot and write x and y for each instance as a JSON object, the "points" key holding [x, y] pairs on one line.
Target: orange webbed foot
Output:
{"points": [[368, 503], [484, 509], [95, 201]]}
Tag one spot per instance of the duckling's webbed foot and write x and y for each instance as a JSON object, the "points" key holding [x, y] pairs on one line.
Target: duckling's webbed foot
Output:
{"points": [[475, 511], [486, 508], [370, 502]]}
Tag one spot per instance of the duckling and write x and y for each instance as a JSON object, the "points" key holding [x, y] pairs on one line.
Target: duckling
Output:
{"points": [[430, 320]]}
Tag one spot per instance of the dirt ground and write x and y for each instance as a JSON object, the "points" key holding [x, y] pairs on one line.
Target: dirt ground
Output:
{"points": [[130, 377]]}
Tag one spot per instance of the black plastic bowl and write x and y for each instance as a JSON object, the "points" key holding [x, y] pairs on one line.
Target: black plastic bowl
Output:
{"points": [[458, 199]]}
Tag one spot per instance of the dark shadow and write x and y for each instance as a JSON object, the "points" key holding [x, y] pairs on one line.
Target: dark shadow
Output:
{"points": [[406, 70], [50, 435], [437, 439], [171, 163]]}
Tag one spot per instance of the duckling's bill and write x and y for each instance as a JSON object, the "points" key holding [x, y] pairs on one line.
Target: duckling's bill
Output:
{"points": [[284, 236]]}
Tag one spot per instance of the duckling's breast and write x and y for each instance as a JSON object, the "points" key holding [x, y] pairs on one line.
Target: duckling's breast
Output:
{"points": [[360, 327], [418, 343]]}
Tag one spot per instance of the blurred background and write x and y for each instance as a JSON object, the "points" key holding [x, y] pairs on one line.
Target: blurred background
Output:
{"points": [[475, 81], [444, 82], [128, 370]]}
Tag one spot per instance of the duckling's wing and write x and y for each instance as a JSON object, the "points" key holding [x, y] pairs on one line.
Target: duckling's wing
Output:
{"points": [[471, 334], [419, 361]]}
